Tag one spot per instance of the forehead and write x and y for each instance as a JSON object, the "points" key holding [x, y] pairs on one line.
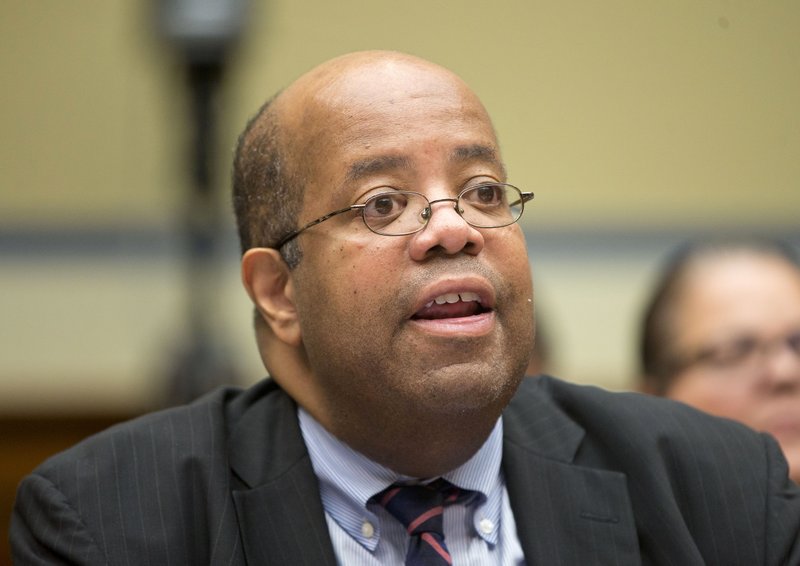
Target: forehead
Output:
{"points": [[397, 160], [739, 294], [386, 116]]}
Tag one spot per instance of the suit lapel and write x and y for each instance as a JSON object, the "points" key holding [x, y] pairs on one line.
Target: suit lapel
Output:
{"points": [[281, 518], [565, 513]]}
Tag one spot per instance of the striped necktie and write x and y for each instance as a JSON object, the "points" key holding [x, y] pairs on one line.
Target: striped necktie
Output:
{"points": [[420, 509]]}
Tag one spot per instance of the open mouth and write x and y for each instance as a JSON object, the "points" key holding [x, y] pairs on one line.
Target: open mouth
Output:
{"points": [[451, 305]]}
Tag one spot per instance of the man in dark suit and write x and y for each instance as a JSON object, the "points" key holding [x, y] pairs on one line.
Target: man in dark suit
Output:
{"points": [[394, 314]]}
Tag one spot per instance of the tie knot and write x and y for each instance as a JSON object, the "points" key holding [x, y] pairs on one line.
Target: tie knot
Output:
{"points": [[420, 507]]}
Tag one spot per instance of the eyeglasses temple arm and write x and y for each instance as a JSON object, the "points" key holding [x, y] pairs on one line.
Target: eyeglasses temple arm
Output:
{"points": [[523, 198], [292, 235]]}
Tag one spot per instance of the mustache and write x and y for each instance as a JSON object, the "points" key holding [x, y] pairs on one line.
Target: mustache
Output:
{"points": [[452, 267]]}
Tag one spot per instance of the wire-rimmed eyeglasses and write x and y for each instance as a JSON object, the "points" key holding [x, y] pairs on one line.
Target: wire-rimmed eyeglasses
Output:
{"points": [[399, 213], [744, 353]]}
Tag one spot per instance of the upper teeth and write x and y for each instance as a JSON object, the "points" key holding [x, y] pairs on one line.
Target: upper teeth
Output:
{"points": [[453, 298]]}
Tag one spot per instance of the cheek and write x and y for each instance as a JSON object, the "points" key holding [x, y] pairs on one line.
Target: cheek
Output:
{"points": [[356, 277], [722, 397], [367, 271], [508, 253]]}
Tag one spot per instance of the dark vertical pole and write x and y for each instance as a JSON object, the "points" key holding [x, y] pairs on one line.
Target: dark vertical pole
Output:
{"points": [[204, 32], [202, 363]]}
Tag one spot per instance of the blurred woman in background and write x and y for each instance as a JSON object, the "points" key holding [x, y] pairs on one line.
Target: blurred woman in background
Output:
{"points": [[722, 333]]}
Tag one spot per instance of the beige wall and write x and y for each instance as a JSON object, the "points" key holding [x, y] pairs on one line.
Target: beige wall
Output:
{"points": [[632, 121]]}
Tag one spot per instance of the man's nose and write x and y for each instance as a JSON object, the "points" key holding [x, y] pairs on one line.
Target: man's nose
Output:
{"points": [[446, 232]]}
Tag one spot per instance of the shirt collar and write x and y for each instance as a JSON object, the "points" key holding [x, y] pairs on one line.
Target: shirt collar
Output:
{"points": [[348, 479]]}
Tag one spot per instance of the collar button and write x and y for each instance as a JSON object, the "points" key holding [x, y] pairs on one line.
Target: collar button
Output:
{"points": [[367, 530]]}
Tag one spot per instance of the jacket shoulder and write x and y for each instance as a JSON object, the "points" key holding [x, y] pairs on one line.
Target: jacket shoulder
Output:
{"points": [[630, 414], [182, 429], [717, 484], [156, 487], [641, 434], [197, 429]]}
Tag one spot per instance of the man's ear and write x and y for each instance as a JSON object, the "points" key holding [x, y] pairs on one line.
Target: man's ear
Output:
{"points": [[267, 280]]}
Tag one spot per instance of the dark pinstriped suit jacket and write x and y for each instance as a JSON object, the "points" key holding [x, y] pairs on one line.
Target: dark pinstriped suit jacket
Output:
{"points": [[594, 478]]}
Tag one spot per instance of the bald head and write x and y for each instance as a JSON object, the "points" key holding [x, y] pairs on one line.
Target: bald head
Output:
{"points": [[366, 77], [364, 97]]}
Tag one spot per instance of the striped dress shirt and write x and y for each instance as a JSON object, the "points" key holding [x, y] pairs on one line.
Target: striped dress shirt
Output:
{"points": [[365, 534]]}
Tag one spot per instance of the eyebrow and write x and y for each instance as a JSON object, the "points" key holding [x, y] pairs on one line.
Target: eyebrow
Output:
{"points": [[372, 165], [477, 152], [384, 163]]}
